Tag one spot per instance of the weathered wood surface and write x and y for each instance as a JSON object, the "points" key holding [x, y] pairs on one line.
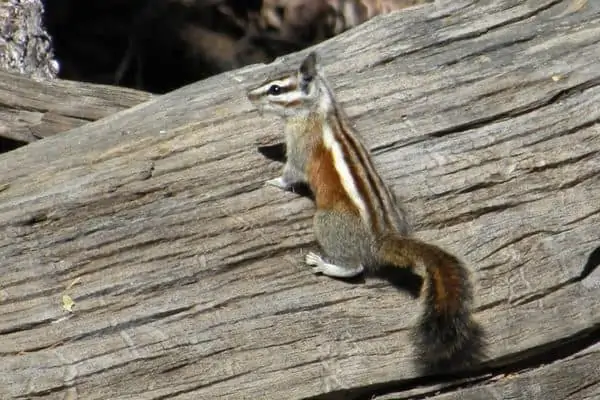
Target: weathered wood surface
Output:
{"points": [[31, 109], [575, 377], [188, 275]]}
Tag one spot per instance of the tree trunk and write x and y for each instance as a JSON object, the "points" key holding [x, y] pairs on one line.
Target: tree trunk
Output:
{"points": [[187, 273], [25, 46]]}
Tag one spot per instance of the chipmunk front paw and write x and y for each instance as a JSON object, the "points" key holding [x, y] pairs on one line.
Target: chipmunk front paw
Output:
{"points": [[317, 261], [277, 182]]}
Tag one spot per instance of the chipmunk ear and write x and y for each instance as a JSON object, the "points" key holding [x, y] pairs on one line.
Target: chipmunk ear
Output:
{"points": [[308, 71], [309, 66]]}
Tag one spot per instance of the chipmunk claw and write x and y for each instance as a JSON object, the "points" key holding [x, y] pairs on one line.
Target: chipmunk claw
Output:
{"points": [[326, 268], [277, 182], [315, 260]]}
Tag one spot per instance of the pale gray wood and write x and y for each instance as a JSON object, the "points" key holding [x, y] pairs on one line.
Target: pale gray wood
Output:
{"points": [[31, 109], [572, 378], [482, 114]]}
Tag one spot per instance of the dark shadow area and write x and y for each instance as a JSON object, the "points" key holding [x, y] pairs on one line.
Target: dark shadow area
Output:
{"points": [[274, 152], [512, 365], [161, 45], [592, 263], [7, 144], [302, 189], [403, 279]]}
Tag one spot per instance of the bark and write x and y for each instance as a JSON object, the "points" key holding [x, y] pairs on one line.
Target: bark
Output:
{"points": [[25, 46]]}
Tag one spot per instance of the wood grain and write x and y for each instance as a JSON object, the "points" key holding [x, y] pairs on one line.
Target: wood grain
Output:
{"points": [[187, 272], [32, 109], [572, 378]]}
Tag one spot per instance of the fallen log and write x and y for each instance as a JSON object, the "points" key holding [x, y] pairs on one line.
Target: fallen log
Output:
{"points": [[142, 257], [32, 109]]}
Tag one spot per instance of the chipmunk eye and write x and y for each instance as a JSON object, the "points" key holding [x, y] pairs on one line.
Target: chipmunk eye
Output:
{"points": [[274, 90]]}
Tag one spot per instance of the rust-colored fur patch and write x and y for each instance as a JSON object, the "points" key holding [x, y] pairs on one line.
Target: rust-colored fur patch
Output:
{"points": [[447, 282], [325, 182], [445, 279]]}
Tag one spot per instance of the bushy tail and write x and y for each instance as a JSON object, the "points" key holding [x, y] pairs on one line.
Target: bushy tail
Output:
{"points": [[447, 337]]}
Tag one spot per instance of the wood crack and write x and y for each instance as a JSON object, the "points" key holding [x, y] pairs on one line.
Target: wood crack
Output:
{"points": [[492, 48], [473, 214], [471, 35], [517, 240], [513, 113], [442, 384], [201, 386], [532, 297]]}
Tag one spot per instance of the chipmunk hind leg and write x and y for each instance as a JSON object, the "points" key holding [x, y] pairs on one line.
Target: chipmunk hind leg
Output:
{"points": [[344, 240]]}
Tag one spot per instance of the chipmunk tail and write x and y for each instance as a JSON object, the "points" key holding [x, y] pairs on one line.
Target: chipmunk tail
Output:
{"points": [[446, 336]]}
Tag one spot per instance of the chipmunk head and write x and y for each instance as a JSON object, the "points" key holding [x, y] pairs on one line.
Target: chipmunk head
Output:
{"points": [[291, 94]]}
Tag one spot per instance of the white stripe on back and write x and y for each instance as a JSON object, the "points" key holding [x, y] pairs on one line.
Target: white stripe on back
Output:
{"points": [[343, 171]]}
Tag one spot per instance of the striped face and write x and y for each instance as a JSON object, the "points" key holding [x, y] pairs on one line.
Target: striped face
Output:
{"points": [[283, 97], [289, 95]]}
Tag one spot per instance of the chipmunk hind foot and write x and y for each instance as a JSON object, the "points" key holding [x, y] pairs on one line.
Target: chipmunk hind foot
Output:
{"points": [[342, 238], [337, 270]]}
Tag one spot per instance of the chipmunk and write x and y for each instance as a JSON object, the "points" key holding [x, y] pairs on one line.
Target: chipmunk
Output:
{"points": [[358, 224]]}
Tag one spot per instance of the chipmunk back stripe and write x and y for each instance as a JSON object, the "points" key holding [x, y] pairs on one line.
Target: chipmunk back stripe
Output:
{"points": [[372, 191], [387, 206], [361, 185], [363, 171], [341, 166], [354, 164], [387, 209], [374, 188]]}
